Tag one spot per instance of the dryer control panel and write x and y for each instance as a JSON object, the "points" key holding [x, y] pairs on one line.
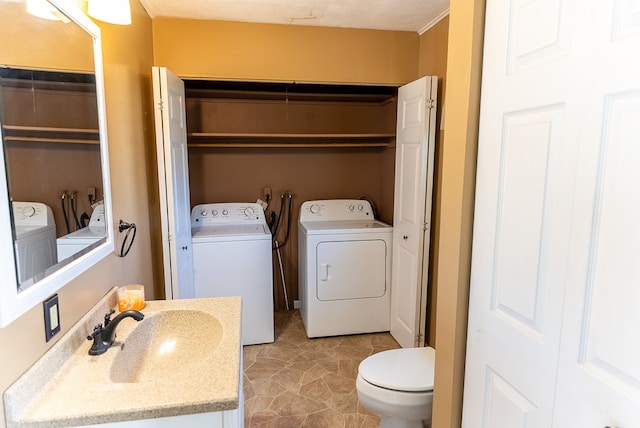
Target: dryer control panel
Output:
{"points": [[227, 213], [336, 210]]}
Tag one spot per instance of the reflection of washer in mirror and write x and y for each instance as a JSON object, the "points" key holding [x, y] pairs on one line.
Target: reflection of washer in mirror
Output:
{"points": [[73, 243], [35, 240]]}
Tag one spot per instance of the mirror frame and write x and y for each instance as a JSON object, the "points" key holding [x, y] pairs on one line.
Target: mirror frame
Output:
{"points": [[14, 303]]}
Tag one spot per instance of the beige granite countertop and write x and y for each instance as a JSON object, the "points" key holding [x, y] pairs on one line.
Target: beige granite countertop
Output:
{"points": [[68, 387]]}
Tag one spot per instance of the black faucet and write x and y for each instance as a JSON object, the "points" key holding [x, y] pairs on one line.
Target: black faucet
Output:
{"points": [[104, 336]]}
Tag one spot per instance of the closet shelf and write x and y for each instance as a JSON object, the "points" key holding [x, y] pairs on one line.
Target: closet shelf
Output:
{"points": [[42, 134], [279, 140]]}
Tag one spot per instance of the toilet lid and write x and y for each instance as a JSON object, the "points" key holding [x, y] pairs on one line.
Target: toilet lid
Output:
{"points": [[407, 369]]}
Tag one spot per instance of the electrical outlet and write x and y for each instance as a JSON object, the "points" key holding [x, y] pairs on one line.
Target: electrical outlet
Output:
{"points": [[266, 193], [51, 317]]}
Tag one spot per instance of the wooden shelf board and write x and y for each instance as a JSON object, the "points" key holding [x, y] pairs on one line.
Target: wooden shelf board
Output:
{"points": [[49, 129], [286, 145], [230, 135], [52, 140]]}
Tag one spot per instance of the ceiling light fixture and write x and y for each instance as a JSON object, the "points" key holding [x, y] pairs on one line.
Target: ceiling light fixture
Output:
{"points": [[111, 11]]}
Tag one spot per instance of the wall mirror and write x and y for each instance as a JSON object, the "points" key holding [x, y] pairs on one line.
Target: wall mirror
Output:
{"points": [[55, 205]]}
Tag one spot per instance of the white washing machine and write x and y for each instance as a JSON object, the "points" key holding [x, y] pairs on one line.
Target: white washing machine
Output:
{"points": [[75, 242], [35, 240], [344, 262], [232, 257]]}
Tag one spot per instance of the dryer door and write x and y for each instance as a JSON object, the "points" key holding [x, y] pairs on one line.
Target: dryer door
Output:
{"points": [[351, 269]]}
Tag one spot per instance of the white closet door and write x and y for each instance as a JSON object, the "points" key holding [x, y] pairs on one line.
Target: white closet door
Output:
{"points": [[415, 139], [599, 366], [173, 180], [552, 79]]}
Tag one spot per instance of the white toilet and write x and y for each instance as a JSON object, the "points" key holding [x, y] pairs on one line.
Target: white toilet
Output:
{"points": [[397, 385]]}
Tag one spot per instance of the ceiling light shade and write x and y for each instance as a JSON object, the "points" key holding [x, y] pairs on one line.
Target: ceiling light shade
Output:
{"points": [[44, 9], [111, 11]]}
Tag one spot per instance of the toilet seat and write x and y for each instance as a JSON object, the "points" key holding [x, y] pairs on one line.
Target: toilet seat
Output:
{"points": [[406, 369]]}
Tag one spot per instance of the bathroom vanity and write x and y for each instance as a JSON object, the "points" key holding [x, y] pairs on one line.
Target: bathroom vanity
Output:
{"points": [[179, 366]]}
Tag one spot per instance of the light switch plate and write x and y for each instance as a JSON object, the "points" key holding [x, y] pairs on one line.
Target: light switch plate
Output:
{"points": [[51, 317]]}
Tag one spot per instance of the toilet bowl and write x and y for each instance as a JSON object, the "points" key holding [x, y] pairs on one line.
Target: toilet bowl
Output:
{"points": [[397, 385]]}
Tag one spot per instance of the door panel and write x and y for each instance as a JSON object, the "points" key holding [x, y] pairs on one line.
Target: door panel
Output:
{"points": [[173, 178], [415, 138], [599, 378], [403, 306]]}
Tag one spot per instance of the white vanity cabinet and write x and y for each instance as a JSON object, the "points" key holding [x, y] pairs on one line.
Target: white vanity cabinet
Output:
{"points": [[226, 419]]}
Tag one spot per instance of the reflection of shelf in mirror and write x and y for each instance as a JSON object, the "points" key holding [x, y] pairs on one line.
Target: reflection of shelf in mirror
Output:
{"points": [[52, 140], [42, 134], [252, 140]]}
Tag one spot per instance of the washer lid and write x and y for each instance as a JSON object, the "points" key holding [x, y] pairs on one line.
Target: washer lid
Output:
{"points": [[230, 230], [407, 369], [345, 226]]}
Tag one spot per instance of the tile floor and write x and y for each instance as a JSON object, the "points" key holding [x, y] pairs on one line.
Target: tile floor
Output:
{"points": [[299, 382]]}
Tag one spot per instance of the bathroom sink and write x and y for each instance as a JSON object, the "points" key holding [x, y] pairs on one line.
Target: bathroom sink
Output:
{"points": [[183, 358], [170, 342]]}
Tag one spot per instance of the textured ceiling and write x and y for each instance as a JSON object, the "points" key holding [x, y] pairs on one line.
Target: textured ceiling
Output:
{"points": [[403, 15]]}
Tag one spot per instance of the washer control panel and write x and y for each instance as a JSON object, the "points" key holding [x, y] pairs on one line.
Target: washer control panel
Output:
{"points": [[32, 214], [336, 209], [226, 213]]}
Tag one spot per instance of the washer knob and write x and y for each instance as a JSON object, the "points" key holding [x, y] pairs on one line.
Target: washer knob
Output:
{"points": [[225, 212], [214, 212], [360, 207], [249, 211], [351, 207], [315, 209], [203, 213], [28, 211]]}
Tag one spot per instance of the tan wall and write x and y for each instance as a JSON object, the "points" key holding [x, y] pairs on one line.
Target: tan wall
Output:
{"points": [[243, 51], [73, 54], [459, 149], [127, 57], [433, 62]]}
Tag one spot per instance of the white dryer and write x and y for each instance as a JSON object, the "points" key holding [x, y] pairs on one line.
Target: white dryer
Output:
{"points": [[76, 242], [344, 262], [35, 240], [232, 257]]}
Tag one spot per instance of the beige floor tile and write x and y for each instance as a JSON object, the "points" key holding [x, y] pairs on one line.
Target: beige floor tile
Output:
{"points": [[339, 384], [299, 382], [324, 419], [344, 403], [314, 372], [264, 368], [290, 404], [316, 390], [266, 386]]}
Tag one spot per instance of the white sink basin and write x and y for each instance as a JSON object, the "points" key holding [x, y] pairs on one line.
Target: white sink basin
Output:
{"points": [[170, 342]]}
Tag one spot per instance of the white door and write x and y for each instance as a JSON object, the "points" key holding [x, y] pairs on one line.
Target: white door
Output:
{"points": [[173, 181], [599, 365], [551, 340], [415, 139]]}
